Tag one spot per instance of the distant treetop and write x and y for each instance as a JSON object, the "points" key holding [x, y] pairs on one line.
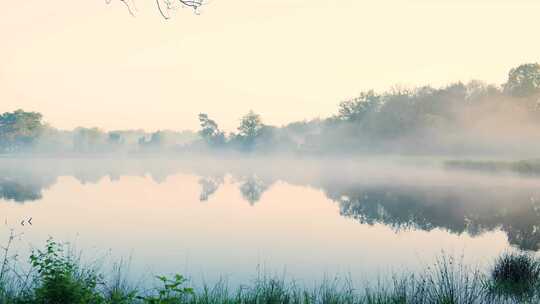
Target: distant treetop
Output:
{"points": [[523, 80]]}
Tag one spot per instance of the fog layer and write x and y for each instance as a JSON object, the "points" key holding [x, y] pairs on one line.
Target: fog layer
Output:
{"points": [[461, 119]]}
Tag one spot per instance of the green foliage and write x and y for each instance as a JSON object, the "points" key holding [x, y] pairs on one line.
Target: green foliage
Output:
{"points": [[60, 279], [417, 120], [249, 130], [210, 131], [19, 129], [359, 107], [172, 291], [117, 290], [523, 80], [88, 139], [250, 126]]}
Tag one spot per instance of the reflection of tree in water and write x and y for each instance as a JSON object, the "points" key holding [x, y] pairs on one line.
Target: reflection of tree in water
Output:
{"points": [[85, 177], [209, 185], [23, 179], [114, 176], [253, 187], [13, 191], [523, 226], [399, 208], [22, 186], [456, 209]]}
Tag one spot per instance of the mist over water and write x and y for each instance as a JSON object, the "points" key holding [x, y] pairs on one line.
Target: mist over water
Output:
{"points": [[193, 155], [388, 184], [214, 217], [460, 120]]}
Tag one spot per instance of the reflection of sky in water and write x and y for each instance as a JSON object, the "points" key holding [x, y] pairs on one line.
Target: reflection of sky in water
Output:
{"points": [[212, 224]]}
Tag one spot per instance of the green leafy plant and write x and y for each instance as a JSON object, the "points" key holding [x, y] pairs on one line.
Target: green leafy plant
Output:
{"points": [[172, 291], [60, 279]]}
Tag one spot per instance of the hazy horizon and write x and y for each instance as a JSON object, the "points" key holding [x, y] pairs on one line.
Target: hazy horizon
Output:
{"points": [[270, 151], [287, 60]]}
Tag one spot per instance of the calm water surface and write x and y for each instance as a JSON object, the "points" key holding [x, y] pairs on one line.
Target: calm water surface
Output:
{"points": [[224, 218]]}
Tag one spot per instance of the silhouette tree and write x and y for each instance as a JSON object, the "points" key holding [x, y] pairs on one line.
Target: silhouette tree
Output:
{"points": [[523, 80], [357, 108], [19, 129], [250, 128], [210, 131]]}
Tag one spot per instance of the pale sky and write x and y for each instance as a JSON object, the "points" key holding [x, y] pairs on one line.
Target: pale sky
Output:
{"points": [[86, 63]]}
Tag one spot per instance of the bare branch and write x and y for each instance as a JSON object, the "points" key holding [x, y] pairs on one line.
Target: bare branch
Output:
{"points": [[161, 10], [128, 7], [164, 6]]}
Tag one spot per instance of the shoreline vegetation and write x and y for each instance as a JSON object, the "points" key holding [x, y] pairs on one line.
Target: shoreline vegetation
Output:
{"points": [[58, 276], [473, 118], [523, 167]]}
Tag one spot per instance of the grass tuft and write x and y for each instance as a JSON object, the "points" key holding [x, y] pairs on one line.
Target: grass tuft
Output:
{"points": [[515, 275], [56, 277]]}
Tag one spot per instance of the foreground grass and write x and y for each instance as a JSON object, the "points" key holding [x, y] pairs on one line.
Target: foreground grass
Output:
{"points": [[58, 277]]}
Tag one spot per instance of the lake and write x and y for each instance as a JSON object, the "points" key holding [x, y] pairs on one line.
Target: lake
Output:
{"points": [[306, 219]]}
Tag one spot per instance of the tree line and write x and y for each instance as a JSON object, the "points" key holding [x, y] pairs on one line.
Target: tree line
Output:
{"points": [[461, 117], [469, 117]]}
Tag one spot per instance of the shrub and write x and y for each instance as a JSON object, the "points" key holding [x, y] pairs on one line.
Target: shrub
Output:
{"points": [[515, 274], [60, 279]]}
